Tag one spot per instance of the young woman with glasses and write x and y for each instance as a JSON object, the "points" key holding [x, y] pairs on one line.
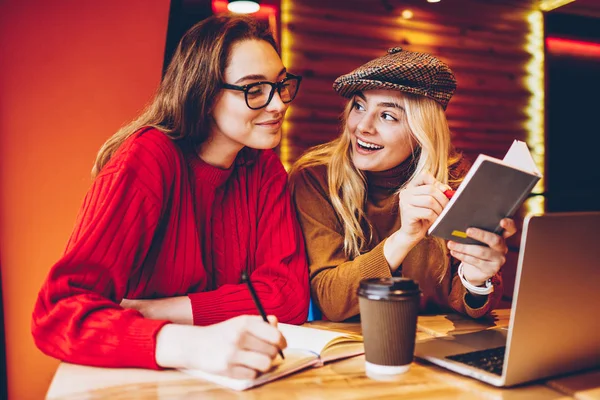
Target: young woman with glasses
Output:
{"points": [[185, 199]]}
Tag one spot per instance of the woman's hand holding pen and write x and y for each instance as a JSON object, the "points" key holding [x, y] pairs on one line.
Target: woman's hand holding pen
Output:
{"points": [[241, 347], [421, 201], [480, 263]]}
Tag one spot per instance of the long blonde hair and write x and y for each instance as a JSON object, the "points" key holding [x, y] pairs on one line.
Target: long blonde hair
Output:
{"points": [[182, 104], [347, 185]]}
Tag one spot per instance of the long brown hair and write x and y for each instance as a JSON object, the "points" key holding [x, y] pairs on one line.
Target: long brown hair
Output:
{"points": [[182, 104]]}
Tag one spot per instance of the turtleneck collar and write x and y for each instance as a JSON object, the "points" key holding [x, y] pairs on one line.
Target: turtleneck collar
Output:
{"points": [[392, 179], [214, 175], [210, 174]]}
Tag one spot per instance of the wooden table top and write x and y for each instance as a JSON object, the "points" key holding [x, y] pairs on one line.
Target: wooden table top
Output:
{"points": [[343, 379]]}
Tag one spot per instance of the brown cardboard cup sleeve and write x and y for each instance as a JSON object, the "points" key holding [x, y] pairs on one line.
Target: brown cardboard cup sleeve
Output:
{"points": [[389, 308]]}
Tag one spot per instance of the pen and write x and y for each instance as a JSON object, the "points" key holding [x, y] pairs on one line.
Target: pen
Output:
{"points": [[449, 193], [257, 302]]}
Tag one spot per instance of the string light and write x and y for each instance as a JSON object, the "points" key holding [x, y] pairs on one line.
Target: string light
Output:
{"points": [[534, 82], [286, 57], [407, 14]]}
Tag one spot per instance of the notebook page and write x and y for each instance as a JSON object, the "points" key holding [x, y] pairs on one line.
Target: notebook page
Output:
{"points": [[299, 337], [343, 350], [519, 156]]}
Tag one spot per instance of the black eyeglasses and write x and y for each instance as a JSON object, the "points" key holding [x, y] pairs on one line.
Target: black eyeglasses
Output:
{"points": [[260, 94]]}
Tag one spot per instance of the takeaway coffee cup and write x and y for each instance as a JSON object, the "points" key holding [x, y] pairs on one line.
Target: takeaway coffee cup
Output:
{"points": [[388, 312]]}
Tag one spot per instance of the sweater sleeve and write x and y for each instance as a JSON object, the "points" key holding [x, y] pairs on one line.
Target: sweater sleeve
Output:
{"points": [[278, 272], [463, 302], [334, 278], [77, 317]]}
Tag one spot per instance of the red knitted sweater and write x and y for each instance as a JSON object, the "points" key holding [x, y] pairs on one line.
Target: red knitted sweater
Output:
{"points": [[159, 222]]}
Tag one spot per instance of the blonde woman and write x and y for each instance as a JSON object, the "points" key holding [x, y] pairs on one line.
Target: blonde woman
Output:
{"points": [[366, 199]]}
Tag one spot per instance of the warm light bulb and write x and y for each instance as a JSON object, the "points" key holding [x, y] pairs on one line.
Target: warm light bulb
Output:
{"points": [[243, 7], [407, 14], [433, 1]]}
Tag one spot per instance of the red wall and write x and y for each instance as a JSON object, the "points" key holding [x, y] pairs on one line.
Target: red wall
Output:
{"points": [[71, 72]]}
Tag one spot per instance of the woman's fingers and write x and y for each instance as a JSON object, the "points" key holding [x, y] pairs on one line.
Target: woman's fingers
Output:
{"points": [[480, 252], [476, 270], [420, 202], [494, 241], [479, 262], [424, 178], [509, 226], [266, 332], [432, 191], [428, 202], [241, 372], [252, 360], [423, 214], [482, 264], [251, 342], [272, 320], [479, 256], [260, 337]]}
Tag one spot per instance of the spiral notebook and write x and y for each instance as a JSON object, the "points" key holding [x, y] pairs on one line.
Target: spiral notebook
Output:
{"points": [[307, 347]]}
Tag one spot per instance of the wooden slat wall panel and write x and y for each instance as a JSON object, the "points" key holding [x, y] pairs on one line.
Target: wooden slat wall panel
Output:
{"points": [[483, 42]]}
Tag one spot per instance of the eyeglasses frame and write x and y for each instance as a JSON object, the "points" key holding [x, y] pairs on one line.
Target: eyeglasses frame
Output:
{"points": [[274, 86]]}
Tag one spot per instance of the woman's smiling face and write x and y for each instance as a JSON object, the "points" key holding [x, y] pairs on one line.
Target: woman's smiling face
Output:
{"points": [[379, 132], [234, 122]]}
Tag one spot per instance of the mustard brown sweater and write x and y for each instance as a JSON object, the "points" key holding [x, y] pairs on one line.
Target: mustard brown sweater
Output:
{"points": [[335, 277]]}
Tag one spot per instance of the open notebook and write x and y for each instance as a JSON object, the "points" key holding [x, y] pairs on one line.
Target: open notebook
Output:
{"points": [[307, 347]]}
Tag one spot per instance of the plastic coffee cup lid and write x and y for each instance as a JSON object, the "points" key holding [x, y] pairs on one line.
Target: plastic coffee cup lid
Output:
{"points": [[388, 287]]}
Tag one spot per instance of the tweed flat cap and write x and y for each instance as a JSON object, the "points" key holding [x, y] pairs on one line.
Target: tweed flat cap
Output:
{"points": [[406, 71]]}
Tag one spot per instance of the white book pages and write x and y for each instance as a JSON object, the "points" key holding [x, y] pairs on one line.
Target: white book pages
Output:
{"points": [[520, 157]]}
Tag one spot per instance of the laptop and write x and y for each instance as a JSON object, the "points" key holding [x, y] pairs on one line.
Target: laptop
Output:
{"points": [[553, 327]]}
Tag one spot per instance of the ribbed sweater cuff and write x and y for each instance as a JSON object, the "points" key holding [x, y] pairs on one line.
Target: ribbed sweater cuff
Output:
{"points": [[139, 342], [373, 264], [208, 309]]}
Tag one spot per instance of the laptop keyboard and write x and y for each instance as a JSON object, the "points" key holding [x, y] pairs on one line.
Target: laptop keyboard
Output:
{"points": [[489, 360]]}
